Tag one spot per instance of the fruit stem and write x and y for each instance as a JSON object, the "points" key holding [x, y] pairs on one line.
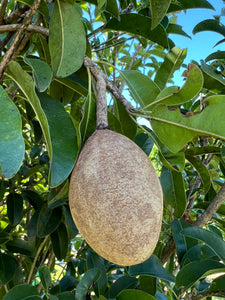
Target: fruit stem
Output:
{"points": [[101, 107]]}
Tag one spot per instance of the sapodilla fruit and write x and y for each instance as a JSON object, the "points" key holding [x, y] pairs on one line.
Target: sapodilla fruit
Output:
{"points": [[115, 198]]}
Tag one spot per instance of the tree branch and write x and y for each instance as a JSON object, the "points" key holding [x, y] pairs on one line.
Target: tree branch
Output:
{"points": [[31, 27], [2, 10], [16, 14]]}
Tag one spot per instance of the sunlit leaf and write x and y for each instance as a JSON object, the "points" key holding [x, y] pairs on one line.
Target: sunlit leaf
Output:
{"points": [[176, 29], [134, 295], [210, 25], [67, 40], [12, 144], [158, 9], [187, 4]]}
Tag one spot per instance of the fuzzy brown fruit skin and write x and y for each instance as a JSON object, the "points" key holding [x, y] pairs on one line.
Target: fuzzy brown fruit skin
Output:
{"points": [[116, 199]]}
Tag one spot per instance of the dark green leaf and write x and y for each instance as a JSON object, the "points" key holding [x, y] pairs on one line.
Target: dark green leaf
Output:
{"points": [[218, 284], [134, 295], [175, 130], [45, 276], [68, 283], [14, 208], [152, 267], [87, 280], [43, 8], [176, 29], [88, 122], [112, 8], [21, 247], [12, 145], [173, 191], [42, 73], [187, 4], [148, 284], [4, 237], [49, 220], [202, 171], [142, 88], [70, 225], [216, 55], [8, 266], [124, 282], [66, 296], [67, 40], [60, 241], [211, 239], [144, 142], [158, 9], [139, 25], [213, 80], [193, 272], [210, 25], [21, 292]]}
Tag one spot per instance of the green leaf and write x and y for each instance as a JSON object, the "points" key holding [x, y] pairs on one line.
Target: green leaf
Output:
{"points": [[67, 40], [213, 80], [122, 283], [20, 246], [12, 145], [42, 73], [210, 25], [187, 4], [43, 7], [142, 88], [75, 84], [60, 241], [216, 55], [189, 90], [202, 171], [88, 122], [173, 191], [112, 8], [152, 267], [194, 271], [176, 130], [210, 238], [62, 137], [144, 141], [134, 295], [66, 296], [14, 208], [87, 280], [45, 276], [49, 220], [148, 284], [176, 29], [8, 266], [218, 284], [62, 162], [21, 292], [139, 25], [158, 9]]}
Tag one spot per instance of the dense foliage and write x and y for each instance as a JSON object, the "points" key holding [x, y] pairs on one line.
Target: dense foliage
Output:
{"points": [[51, 52]]}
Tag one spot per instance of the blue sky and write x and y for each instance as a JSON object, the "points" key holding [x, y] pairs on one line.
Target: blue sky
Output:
{"points": [[201, 44]]}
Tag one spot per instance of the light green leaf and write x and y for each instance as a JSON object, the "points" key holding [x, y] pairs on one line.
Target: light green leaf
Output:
{"points": [[176, 130], [187, 4], [158, 9], [67, 39], [171, 63], [42, 73], [89, 277], [20, 292], [210, 25], [12, 144], [152, 267], [194, 271], [139, 25], [211, 239], [173, 191], [134, 295], [142, 88]]}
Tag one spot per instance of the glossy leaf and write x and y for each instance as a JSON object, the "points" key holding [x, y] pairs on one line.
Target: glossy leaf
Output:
{"points": [[173, 191], [193, 272], [153, 267], [14, 208], [134, 295], [89, 278], [67, 40], [144, 142], [42, 73], [210, 238], [187, 4], [122, 283], [45, 276], [202, 171], [210, 25], [51, 116], [60, 241], [21, 292], [48, 221], [158, 11], [142, 88], [176, 29], [175, 130], [8, 266], [139, 25], [12, 145], [189, 90]]}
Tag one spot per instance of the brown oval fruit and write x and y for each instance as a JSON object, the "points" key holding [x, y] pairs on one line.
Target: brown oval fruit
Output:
{"points": [[115, 198]]}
